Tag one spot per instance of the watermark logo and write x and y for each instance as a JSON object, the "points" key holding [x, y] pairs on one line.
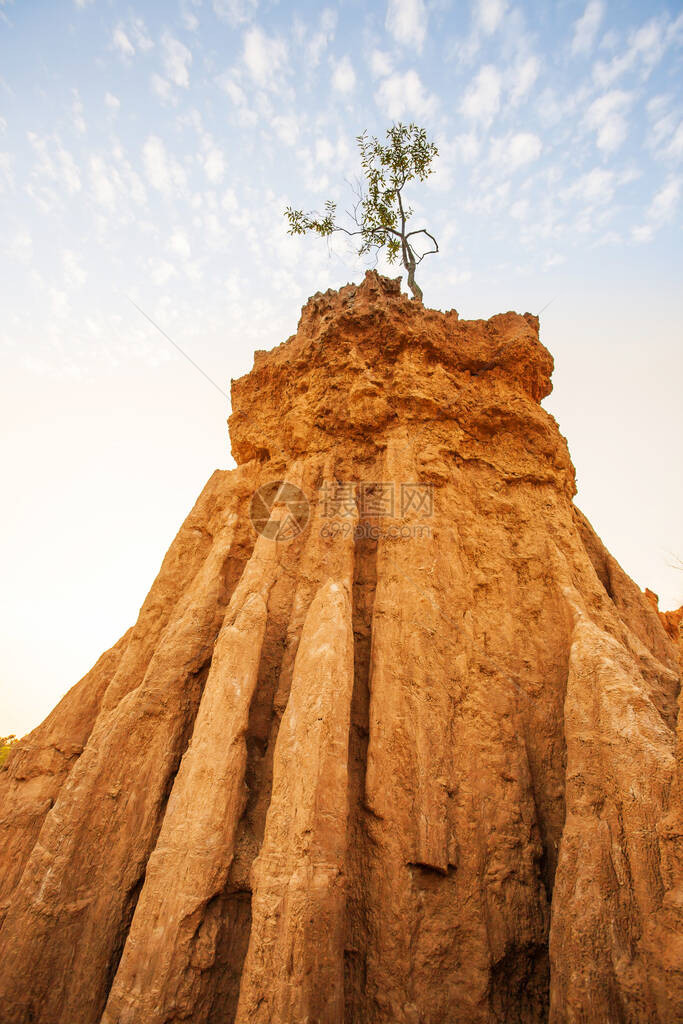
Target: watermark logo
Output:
{"points": [[279, 510], [378, 499], [365, 510]]}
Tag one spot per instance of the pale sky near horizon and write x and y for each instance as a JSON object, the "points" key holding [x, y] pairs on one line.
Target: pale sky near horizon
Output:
{"points": [[148, 149]]}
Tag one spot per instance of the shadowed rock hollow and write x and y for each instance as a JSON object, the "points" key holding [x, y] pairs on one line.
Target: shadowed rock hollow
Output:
{"points": [[415, 764]]}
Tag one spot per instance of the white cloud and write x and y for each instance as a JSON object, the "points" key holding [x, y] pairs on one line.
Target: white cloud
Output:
{"points": [[487, 17], [645, 49], [161, 271], [553, 260], [103, 187], [20, 249], [232, 89], [514, 151], [77, 110], [161, 87], [380, 64], [406, 20], [593, 188], [482, 98], [229, 201], [177, 60], [666, 128], [643, 233], [322, 38], [57, 166], [520, 210], [131, 36], [324, 151], [163, 173], [129, 178], [69, 170], [229, 82], [112, 102], [122, 43], [490, 200], [179, 245], [265, 58], [665, 201], [140, 35], [467, 147], [402, 94], [489, 14], [606, 116], [343, 76], [74, 274], [674, 147], [586, 28], [286, 127], [524, 75], [214, 165], [660, 211], [235, 12], [60, 302]]}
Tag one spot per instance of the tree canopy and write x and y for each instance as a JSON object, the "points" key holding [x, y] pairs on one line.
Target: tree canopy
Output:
{"points": [[380, 214]]}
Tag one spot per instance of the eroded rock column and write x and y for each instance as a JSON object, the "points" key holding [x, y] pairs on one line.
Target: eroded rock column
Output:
{"points": [[172, 937], [294, 965], [609, 885]]}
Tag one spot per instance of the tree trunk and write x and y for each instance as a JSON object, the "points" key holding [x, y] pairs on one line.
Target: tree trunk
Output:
{"points": [[410, 265]]}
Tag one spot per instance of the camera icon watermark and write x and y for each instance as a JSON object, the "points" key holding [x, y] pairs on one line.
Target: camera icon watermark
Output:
{"points": [[279, 510]]}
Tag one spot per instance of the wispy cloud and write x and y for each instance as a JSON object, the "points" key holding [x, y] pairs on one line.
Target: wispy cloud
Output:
{"points": [[482, 97], [586, 27], [235, 12], [177, 60], [406, 21], [660, 211], [162, 171], [488, 15], [606, 116], [343, 76], [400, 95], [265, 58]]}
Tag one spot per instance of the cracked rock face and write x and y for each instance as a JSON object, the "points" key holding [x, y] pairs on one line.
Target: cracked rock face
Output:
{"points": [[415, 761]]}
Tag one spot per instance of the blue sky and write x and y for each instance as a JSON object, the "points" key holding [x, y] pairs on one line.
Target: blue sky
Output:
{"points": [[147, 150]]}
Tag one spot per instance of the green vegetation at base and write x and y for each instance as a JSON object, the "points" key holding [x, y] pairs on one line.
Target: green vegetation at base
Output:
{"points": [[5, 747]]}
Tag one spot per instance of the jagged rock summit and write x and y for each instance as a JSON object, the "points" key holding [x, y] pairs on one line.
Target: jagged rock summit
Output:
{"points": [[393, 739]]}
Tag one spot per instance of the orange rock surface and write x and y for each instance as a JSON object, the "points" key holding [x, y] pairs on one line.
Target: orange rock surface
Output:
{"points": [[672, 621], [409, 755]]}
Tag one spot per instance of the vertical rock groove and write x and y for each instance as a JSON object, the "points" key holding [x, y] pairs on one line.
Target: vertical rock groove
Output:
{"points": [[297, 933], [355, 951]]}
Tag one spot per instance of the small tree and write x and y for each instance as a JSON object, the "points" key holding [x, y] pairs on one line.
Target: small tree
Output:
{"points": [[379, 214]]}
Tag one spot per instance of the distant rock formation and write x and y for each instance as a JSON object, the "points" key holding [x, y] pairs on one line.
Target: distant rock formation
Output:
{"points": [[672, 621], [404, 754]]}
